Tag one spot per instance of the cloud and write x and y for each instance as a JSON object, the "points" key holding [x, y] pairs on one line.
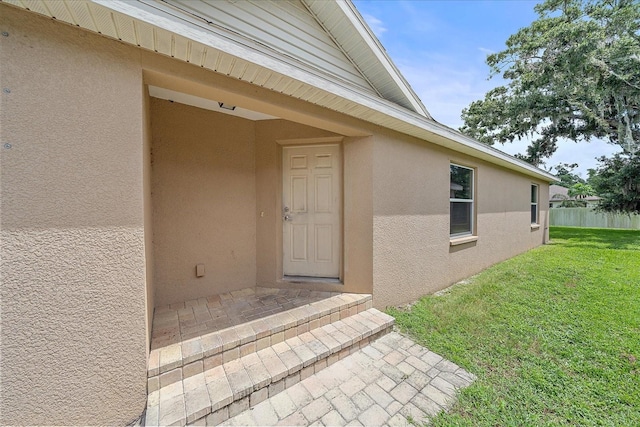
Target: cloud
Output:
{"points": [[376, 25], [582, 153], [446, 87], [443, 59]]}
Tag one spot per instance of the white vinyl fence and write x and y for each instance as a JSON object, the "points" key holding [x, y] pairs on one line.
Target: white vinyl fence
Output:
{"points": [[587, 217]]}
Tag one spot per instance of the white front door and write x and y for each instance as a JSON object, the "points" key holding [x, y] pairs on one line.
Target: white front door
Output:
{"points": [[311, 210]]}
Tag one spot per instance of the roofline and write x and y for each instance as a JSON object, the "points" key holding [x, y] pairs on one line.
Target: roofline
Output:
{"points": [[484, 151], [328, 92], [352, 13], [398, 117]]}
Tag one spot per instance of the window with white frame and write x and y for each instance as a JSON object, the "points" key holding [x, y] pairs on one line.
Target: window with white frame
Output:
{"points": [[461, 201], [534, 204]]}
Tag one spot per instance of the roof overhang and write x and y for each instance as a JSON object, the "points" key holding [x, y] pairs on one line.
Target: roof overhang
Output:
{"points": [[155, 26], [369, 56]]}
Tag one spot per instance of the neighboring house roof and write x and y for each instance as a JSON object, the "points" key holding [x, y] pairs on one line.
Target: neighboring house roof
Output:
{"points": [[558, 193], [339, 64]]}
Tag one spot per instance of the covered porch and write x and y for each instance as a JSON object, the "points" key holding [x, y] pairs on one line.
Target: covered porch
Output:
{"points": [[236, 194]]}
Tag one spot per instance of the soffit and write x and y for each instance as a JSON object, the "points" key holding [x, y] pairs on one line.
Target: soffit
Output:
{"points": [[284, 26], [207, 104], [328, 36], [158, 27]]}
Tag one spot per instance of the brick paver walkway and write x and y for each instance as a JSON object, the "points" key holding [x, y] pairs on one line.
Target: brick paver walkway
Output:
{"points": [[391, 382]]}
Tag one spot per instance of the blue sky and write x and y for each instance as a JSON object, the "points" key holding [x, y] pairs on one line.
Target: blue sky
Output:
{"points": [[440, 47]]}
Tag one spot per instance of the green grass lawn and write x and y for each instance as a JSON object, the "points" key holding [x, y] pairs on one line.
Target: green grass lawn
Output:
{"points": [[553, 335]]}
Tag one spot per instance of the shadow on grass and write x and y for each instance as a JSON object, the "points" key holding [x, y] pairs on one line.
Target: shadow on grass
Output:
{"points": [[596, 238]]}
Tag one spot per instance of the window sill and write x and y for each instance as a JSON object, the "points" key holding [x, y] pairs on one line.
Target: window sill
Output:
{"points": [[462, 240], [535, 226]]}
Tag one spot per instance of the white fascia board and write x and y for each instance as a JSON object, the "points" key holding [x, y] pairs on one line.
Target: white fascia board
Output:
{"points": [[474, 148], [421, 127], [178, 22], [359, 24]]}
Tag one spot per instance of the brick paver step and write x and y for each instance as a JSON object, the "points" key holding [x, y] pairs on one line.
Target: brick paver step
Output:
{"points": [[235, 385], [391, 382], [179, 361]]}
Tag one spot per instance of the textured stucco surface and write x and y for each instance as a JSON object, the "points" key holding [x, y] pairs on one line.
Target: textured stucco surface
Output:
{"points": [[79, 216], [73, 344], [148, 213], [358, 214], [204, 198], [412, 255], [72, 248]]}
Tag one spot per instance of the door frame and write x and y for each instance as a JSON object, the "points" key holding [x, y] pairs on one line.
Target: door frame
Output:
{"points": [[333, 140]]}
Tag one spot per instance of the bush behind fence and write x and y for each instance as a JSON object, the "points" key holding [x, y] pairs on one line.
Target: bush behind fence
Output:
{"points": [[587, 217]]}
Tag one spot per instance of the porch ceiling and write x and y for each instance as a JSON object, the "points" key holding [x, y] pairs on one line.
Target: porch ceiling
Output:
{"points": [[157, 27], [207, 104]]}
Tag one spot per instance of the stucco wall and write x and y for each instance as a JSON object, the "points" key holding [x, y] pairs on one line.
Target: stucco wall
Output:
{"points": [[358, 214], [412, 255], [148, 213], [77, 193], [72, 237], [204, 201]]}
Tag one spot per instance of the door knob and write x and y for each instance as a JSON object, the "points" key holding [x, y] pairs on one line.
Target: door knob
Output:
{"points": [[287, 218]]}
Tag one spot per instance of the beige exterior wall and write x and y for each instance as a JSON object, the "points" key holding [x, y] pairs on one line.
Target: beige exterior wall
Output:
{"points": [[148, 214], [72, 226], [412, 254], [204, 200], [358, 215], [110, 199]]}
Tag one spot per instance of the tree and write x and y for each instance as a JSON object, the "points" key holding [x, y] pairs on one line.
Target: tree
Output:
{"points": [[581, 191], [564, 171], [573, 73], [617, 183]]}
